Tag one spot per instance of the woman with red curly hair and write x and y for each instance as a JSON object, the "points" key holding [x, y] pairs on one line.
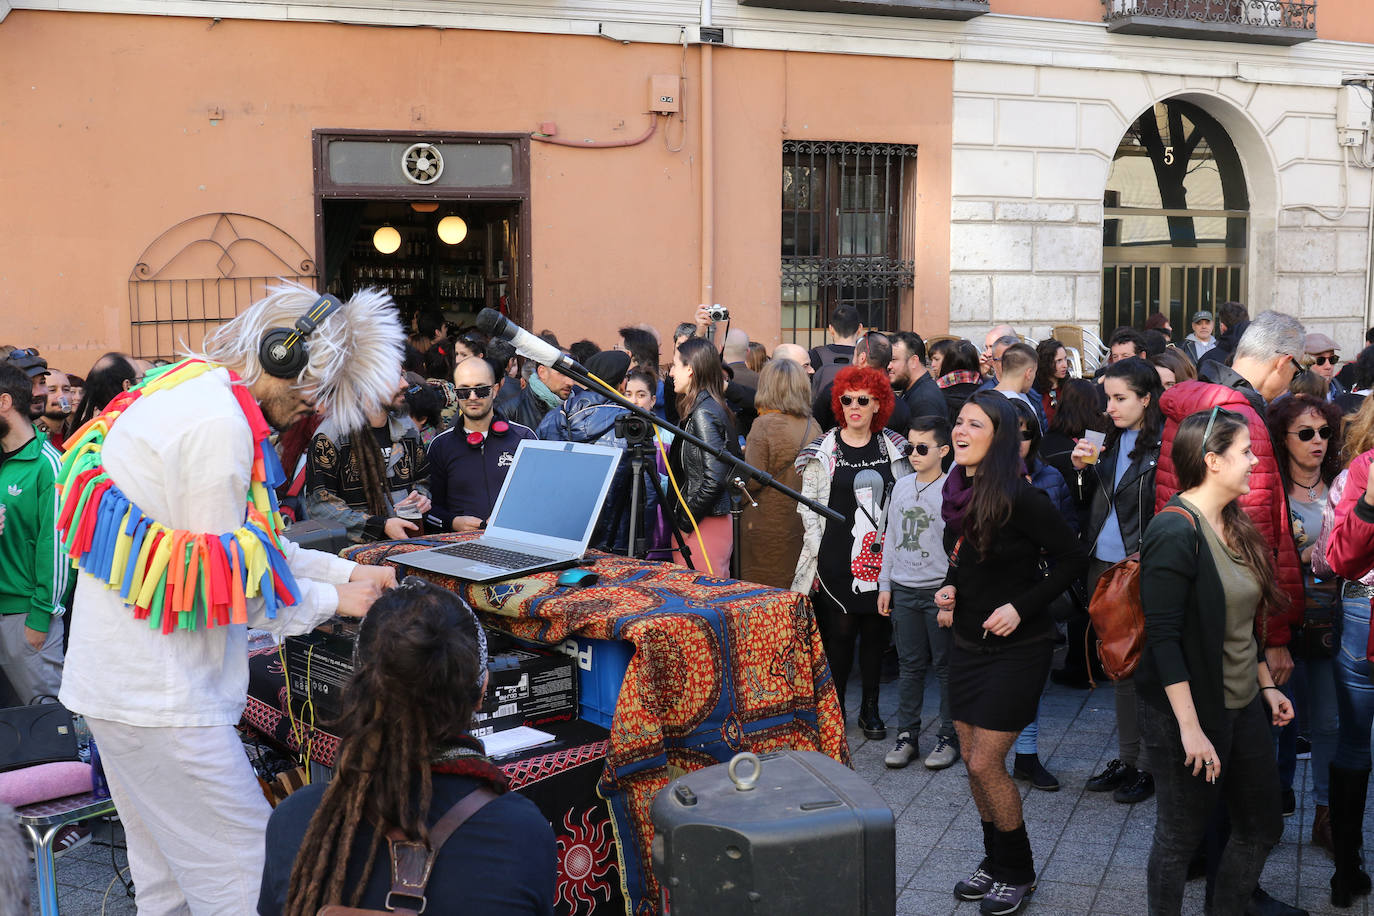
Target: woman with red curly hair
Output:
{"points": [[839, 562]]}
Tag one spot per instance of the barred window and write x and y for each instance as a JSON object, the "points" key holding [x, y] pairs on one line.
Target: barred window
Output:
{"points": [[843, 233]]}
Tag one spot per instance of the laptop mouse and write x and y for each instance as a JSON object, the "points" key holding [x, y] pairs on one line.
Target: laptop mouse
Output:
{"points": [[578, 578]]}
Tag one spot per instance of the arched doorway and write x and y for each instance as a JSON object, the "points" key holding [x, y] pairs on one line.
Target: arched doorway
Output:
{"points": [[1175, 219]]}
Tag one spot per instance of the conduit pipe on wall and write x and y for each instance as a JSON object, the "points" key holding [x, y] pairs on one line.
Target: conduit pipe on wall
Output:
{"points": [[708, 174], [599, 144]]}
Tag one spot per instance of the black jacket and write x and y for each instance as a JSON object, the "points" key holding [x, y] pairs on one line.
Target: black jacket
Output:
{"points": [[924, 398], [1222, 374], [1185, 617], [527, 409], [701, 476], [1225, 348], [955, 398], [1133, 495], [464, 478]]}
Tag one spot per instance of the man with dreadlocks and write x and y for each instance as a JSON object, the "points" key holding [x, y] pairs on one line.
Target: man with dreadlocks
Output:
{"points": [[365, 477], [405, 760], [169, 511]]}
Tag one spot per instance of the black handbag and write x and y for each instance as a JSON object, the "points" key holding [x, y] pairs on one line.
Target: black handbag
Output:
{"points": [[1318, 638]]}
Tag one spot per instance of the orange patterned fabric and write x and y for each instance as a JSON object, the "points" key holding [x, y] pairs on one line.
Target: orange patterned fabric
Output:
{"points": [[720, 666]]}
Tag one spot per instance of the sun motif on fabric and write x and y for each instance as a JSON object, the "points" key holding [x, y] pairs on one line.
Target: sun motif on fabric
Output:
{"points": [[585, 858]]}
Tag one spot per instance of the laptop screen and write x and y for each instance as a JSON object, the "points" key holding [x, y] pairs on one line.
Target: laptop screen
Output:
{"points": [[554, 492]]}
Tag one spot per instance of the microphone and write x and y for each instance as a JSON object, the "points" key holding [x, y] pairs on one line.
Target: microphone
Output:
{"points": [[494, 324]]}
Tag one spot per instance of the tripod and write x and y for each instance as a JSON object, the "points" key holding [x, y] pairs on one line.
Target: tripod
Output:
{"points": [[639, 452]]}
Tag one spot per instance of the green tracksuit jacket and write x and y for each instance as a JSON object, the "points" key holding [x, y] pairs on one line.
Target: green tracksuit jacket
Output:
{"points": [[33, 568]]}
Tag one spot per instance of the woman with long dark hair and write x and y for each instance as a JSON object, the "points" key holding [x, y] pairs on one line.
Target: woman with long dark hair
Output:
{"points": [[405, 760], [1346, 549], [1306, 433], [702, 478], [1122, 480], [840, 562], [1207, 585], [998, 529], [1080, 409], [1051, 372], [937, 353]]}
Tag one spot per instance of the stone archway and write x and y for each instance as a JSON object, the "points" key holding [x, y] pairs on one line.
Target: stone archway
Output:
{"points": [[1201, 227]]}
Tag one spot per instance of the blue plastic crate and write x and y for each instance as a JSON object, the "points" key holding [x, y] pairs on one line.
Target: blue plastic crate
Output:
{"points": [[601, 665]]}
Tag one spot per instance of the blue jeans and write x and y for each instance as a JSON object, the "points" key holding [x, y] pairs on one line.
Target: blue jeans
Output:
{"points": [[921, 644], [1028, 742], [1354, 691], [1323, 722]]}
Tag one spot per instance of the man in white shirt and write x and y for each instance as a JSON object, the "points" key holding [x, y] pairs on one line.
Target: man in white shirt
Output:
{"points": [[162, 703]]}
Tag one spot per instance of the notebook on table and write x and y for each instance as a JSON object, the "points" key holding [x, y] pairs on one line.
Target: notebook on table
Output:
{"points": [[543, 516]]}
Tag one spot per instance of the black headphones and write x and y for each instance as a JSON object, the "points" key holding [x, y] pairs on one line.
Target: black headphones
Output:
{"points": [[283, 353]]}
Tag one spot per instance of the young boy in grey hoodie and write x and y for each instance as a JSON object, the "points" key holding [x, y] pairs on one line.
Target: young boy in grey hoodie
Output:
{"points": [[914, 566]]}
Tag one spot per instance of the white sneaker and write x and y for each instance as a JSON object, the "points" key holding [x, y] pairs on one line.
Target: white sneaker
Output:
{"points": [[902, 752], [945, 753]]}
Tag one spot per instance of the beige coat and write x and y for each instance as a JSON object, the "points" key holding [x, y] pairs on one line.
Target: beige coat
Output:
{"points": [[772, 531]]}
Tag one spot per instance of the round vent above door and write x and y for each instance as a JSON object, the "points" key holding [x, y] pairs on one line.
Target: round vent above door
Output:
{"points": [[422, 163]]}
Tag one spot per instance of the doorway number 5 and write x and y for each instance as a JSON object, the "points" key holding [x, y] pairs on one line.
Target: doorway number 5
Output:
{"points": [[1168, 155]]}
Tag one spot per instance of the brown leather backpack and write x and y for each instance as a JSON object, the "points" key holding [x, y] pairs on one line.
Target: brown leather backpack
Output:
{"points": [[411, 862], [1118, 619]]}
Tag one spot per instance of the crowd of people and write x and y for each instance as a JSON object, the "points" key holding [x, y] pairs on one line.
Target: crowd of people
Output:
{"points": [[985, 491]]}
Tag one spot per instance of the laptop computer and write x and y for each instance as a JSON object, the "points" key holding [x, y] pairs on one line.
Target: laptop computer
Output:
{"points": [[543, 517]]}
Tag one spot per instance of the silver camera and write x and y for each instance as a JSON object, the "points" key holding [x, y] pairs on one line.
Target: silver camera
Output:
{"points": [[718, 312]]}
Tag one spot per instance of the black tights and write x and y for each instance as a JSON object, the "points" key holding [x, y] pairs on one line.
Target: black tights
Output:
{"points": [[839, 633]]}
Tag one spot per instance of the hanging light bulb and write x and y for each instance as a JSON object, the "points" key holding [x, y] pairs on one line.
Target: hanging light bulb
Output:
{"points": [[452, 230], [424, 206], [386, 240]]}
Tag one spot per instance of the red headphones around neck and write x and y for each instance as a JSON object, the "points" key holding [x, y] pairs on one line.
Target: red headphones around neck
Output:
{"points": [[498, 428]]}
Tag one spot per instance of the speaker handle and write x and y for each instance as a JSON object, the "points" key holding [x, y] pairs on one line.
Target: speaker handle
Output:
{"points": [[744, 783]]}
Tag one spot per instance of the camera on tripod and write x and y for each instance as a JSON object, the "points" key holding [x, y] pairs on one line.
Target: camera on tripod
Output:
{"points": [[634, 430]]}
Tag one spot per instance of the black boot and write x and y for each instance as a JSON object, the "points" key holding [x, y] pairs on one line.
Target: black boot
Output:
{"points": [[870, 721], [1349, 789]]}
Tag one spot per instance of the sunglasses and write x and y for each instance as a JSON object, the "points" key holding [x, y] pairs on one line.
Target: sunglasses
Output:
{"points": [[480, 391], [863, 399], [921, 448], [1323, 360], [1027, 435], [1307, 433]]}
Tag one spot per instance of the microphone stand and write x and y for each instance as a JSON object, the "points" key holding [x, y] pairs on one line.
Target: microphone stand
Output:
{"points": [[738, 476]]}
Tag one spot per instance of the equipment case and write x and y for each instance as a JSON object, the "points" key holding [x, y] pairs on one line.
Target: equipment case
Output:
{"points": [[801, 833]]}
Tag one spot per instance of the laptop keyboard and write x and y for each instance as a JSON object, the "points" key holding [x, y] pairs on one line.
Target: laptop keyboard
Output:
{"points": [[492, 556]]}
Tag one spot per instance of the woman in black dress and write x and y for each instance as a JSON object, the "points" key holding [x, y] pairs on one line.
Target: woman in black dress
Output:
{"points": [[998, 529], [841, 561]]}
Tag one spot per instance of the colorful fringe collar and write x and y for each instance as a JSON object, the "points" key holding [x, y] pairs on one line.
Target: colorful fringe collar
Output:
{"points": [[170, 577]]}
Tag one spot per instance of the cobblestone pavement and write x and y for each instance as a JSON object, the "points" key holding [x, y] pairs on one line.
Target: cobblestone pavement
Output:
{"points": [[1091, 852]]}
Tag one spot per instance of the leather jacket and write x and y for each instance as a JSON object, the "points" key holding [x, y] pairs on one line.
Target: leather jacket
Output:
{"points": [[700, 475], [1133, 495], [527, 409]]}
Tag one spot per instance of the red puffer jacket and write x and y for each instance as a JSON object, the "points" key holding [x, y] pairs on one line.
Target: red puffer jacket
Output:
{"points": [[1266, 503], [1350, 548]]}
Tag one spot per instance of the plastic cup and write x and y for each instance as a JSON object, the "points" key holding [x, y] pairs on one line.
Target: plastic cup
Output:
{"points": [[1097, 440]]}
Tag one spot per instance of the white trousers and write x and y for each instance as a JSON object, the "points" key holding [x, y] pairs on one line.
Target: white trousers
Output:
{"points": [[193, 813]]}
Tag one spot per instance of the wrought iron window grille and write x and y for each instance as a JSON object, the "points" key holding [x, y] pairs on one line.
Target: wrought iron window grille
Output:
{"points": [[1280, 22], [843, 208]]}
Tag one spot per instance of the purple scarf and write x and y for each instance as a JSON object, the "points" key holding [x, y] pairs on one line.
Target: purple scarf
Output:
{"points": [[958, 493]]}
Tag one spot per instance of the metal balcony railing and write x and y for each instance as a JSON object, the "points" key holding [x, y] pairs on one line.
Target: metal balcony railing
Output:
{"points": [[913, 9], [1272, 22]]}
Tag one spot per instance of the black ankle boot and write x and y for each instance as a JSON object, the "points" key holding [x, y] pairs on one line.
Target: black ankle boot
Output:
{"points": [[870, 721], [1349, 789]]}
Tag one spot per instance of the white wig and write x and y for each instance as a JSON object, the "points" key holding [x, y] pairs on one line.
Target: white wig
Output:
{"points": [[355, 353]]}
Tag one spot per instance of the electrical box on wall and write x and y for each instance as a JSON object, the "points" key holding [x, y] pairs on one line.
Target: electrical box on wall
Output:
{"points": [[663, 94], [1353, 108]]}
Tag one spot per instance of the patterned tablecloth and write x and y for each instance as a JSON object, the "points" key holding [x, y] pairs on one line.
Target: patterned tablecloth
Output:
{"points": [[720, 666]]}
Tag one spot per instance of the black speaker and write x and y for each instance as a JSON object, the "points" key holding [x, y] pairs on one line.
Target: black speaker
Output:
{"points": [[783, 832]]}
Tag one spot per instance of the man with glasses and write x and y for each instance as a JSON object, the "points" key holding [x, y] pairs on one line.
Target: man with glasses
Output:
{"points": [[468, 463], [1321, 350]]}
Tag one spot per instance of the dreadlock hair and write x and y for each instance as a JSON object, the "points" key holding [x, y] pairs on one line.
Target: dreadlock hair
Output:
{"points": [[417, 681], [371, 471], [1190, 453]]}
